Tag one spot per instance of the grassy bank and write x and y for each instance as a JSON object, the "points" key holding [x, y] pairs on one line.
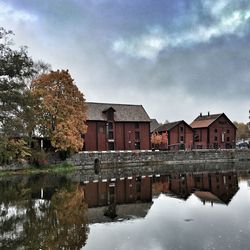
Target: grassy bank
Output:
{"points": [[57, 168]]}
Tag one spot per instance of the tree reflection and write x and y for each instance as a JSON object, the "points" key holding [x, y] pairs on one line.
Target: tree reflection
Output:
{"points": [[44, 224]]}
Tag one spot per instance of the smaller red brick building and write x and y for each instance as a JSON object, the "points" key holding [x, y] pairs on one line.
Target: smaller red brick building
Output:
{"points": [[180, 135], [116, 127], [213, 131]]}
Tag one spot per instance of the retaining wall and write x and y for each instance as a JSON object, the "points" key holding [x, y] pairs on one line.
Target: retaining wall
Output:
{"points": [[105, 158]]}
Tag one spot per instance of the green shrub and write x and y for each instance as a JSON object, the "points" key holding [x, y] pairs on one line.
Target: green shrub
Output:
{"points": [[13, 150], [39, 158]]}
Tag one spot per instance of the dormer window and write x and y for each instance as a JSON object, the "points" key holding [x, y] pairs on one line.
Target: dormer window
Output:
{"points": [[109, 113]]}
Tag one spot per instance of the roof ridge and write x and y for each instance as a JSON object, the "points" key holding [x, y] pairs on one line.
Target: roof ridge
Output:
{"points": [[106, 103]]}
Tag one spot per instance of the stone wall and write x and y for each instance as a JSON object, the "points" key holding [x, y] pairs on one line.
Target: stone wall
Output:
{"points": [[114, 158]]}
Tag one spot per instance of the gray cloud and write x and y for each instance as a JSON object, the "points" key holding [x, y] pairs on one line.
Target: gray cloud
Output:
{"points": [[179, 83], [224, 21]]}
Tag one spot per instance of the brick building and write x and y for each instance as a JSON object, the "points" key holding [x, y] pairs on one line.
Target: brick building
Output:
{"points": [[213, 131], [118, 191], [116, 127], [180, 135]]}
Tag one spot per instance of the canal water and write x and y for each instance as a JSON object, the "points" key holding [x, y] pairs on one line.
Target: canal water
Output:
{"points": [[181, 210]]}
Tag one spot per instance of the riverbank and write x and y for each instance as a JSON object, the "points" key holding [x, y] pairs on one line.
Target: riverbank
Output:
{"points": [[93, 163], [29, 170]]}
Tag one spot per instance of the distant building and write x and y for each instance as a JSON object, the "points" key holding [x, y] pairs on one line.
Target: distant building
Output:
{"points": [[116, 127], [180, 134], [153, 125], [213, 131]]}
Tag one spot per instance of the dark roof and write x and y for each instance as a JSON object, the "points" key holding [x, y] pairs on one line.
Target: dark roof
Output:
{"points": [[153, 125], [204, 121], [207, 196], [168, 126], [123, 212], [123, 112]]}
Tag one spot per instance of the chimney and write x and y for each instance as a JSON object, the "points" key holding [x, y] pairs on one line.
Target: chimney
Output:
{"points": [[200, 114], [208, 113]]}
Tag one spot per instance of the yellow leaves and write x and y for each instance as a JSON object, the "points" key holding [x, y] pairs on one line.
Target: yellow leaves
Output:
{"points": [[158, 139], [61, 110], [70, 206]]}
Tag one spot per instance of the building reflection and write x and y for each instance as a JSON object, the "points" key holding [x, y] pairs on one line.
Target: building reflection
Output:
{"points": [[208, 187], [108, 199], [119, 199], [54, 212]]}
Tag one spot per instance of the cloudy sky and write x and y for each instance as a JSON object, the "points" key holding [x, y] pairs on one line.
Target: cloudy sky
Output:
{"points": [[176, 58]]}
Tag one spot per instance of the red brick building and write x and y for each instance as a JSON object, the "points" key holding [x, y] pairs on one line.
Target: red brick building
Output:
{"points": [[180, 134], [213, 131], [119, 191], [116, 127]]}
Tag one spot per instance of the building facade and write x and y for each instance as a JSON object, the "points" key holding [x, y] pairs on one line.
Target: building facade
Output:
{"points": [[116, 127], [180, 135], [213, 131]]}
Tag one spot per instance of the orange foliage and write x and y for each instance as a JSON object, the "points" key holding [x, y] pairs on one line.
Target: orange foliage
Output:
{"points": [[60, 110], [156, 139]]}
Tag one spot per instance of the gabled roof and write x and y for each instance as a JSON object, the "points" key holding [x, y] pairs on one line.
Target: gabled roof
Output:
{"points": [[153, 125], [123, 211], [122, 112], [204, 121], [207, 196], [169, 126]]}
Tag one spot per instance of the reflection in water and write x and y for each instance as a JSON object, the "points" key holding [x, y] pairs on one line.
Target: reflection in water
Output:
{"points": [[208, 187], [34, 223], [119, 199], [53, 212]]}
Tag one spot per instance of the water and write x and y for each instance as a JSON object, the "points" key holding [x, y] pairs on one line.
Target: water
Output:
{"points": [[169, 211]]}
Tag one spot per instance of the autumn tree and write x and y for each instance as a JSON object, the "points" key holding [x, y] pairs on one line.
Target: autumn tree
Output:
{"points": [[60, 110], [243, 131], [156, 139]]}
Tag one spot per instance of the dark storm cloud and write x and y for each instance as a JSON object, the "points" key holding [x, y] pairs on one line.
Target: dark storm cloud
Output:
{"points": [[177, 58]]}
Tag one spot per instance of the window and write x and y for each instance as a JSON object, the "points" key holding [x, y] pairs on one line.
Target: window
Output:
{"points": [[215, 131], [138, 186], [137, 145], [110, 125], [110, 115], [215, 138], [111, 146], [181, 128], [198, 179], [228, 131], [196, 136], [228, 138], [137, 135], [137, 125], [111, 135], [182, 138]]}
